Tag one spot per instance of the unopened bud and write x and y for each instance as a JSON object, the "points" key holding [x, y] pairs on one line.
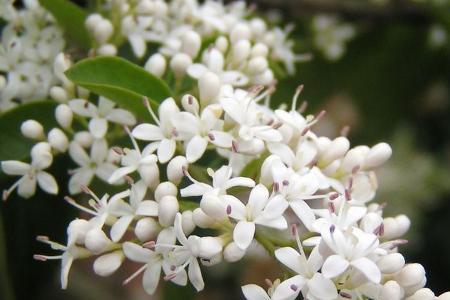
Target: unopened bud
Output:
{"points": [[175, 169], [391, 263], [258, 27], [146, 229], [201, 219], [411, 275], [156, 65], [165, 189], [377, 155], [59, 94], [103, 31], [78, 228], [422, 294], [96, 241], [209, 86], [32, 129], [241, 51], [233, 253], [335, 150], [213, 207], [58, 140], [168, 208], [391, 290], [259, 50], [179, 64], [92, 21], [257, 65], [84, 138], [64, 115], [188, 222], [191, 43], [107, 49], [222, 44], [239, 32]]}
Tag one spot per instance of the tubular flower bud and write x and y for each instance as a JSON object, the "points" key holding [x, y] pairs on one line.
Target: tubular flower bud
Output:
{"points": [[59, 94], [179, 64], [188, 222], [168, 208], [233, 253], [156, 65], [32, 129], [391, 263], [58, 140], [391, 290], [165, 189], [377, 155], [201, 219], [209, 87], [96, 241], [175, 169], [191, 43], [411, 275], [64, 115], [422, 294], [147, 229]]}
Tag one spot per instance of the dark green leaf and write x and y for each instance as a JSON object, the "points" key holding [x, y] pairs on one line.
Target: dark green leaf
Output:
{"points": [[120, 81], [71, 17], [12, 144]]}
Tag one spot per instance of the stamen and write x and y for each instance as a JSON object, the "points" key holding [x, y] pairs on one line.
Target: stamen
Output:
{"points": [[135, 274], [170, 276], [133, 141], [355, 169], [294, 287], [333, 196], [80, 207], [188, 175], [150, 110], [211, 136], [8, 192], [118, 150], [297, 94], [277, 125], [345, 295], [234, 147], [149, 245], [331, 207], [294, 230], [190, 100], [228, 209], [128, 179], [345, 130], [276, 187], [268, 282], [285, 182], [347, 195], [332, 229], [305, 130], [303, 107]]}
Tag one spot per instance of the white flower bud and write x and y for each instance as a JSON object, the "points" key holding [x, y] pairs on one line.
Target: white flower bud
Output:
{"points": [[422, 294], [352, 160], [337, 148], [107, 264], [239, 32], [84, 138], [201, 219], [391, 290], [241, 51], [411, 275], [61, 64], [78, 228], [390, 228], [58, 140], [166, 188], [168, 208], [147, 229], [209, 86], [191, 43], [187, 222], [265, 78], [92, 20], [257, 65], [258, 26], [114, 157], [209, 247], [128, 25], [96, 241], [103, 31], [149, 174], [32, 129], [107, 49], [145, 7], [213, 207], [82, 92], [403, 224], [175, 169], [259, 50], [59, 94], [179, 64], [222, 44], [391, 263], [232, 253], [160, 8], [190, 104], [41, 149], [64, 115], [444, 296], [378, 155], [156, 65]]}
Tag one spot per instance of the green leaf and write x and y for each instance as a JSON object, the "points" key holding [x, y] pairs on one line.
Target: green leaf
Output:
{"points": [[13, 145], [71, 17], [121, 81]]}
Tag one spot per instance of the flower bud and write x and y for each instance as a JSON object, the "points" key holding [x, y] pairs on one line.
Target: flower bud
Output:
{"points": [[32, 129], [145, 7], [209, 247], [61, 64], [92, 20], [258, 26], [59, 94], [166, 188], [41, 148], [103, 31], [107, 49], [64, 115], [160, 8], [179, 64], [190, 104], [444, 296], [422, 294], [241, 51], [107, 264], [84, 138], [222, 44], [149, 174], [96, 241], [335, 150], [259, 50], [378, 155], [82, 92], [239, 32], [191, 43], [41, 155], [168, 208], [352, 160], [410, 275], [403, 224], [209, 86], [266, 78], [76, 231], [213, 206], [257, 65], [58, 140], [391, 290], [201, 219], [146, 229], [175, 169], [232, 253], [391, 263], [156, 65], [187, 222]]}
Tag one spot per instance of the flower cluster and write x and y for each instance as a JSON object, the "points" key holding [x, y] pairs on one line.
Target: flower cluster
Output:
{"points": [[29, 43], [304, 184]]}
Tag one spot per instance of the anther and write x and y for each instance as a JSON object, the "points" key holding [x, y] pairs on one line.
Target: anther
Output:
{"points": [[211, 136], [332, 228], [228, 209]]}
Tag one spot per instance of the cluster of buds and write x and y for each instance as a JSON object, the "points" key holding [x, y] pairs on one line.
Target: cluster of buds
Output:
{"points": [[30, 42]]}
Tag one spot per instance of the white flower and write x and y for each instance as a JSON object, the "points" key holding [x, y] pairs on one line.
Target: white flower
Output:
{"points": [[30, 175], [101, 114], [286, 290], [90, 165], [163, 135], [260, 210]]}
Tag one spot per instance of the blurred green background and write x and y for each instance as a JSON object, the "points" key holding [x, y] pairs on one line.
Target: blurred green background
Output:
{"points": [[391, 84]]}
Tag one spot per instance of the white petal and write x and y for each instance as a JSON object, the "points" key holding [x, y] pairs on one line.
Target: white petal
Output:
{"points": [[66, 263], [334, 266], [47, 182], [239, 181], [151, 276], [136, 253], [99, 150], [83, 108], [303, 212], [275, 207], [147, 132], [119, 173], [196, 189], [81, 177], [14, 167], [78, 154], [121, 116], [277, 223], [137, 44], [238, 209], [258, 199], [27, 187], [98, 127], [283, 151], [322, 288], [221, 139], [368, 268], [196, 148], [243, 234], [120, 227], [166, 149], [195, 274], [107, 264], [197, 70], [234, 78], [105, 170], [254, 292], [178, 226], [147, 208], [290, 258], [289, 289], [221, 176]]}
